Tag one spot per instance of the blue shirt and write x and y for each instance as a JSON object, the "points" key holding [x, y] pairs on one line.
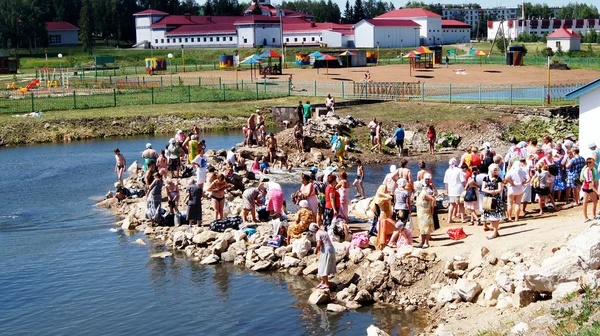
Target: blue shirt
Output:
{"points": [[399, 134], [264, 166]]}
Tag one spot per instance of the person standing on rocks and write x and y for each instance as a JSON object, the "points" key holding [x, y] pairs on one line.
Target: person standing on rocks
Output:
{"points": [[174, 158], [574, 164], [251, 132], [201, 164], [250, 199], [154, 198], [332, 200], [404, 172], [385, 223], [492, 187], [304, 218], [299, 136], [454, 178], [372, 128], [193, 198], [275, 199], [327, 264], [193, 146], [308, 192], [300, 112], [217, 189], [162, 164], [149, 155], [431, 138], [377, 139], [120, 165], [399, 137], [307, 112], [358, 182], [172, 196], [272, 145], [516, 179], [425, 205], [329, 103], [589, 187], [343, 188]]}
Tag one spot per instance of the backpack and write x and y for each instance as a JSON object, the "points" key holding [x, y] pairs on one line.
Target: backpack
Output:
{"points": [[471, 194], [220, 225], [583, 172], [553, 169]]}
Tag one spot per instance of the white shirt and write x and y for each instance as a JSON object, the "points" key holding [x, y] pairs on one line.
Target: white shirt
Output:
{"points": [[373, 126], [455, 179], [273, 186], [201, 170], [231, 157], [518, 176]]}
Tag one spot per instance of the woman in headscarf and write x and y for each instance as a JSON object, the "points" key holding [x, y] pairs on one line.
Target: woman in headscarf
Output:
{"points": [[327, 264], [492, 187], [425, 204], [304, 218], [193, 145], [386, 225], [308, 191], [515, 178]]}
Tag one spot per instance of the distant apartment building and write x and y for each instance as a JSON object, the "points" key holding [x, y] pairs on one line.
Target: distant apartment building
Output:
{"points": [[473, 15], [513, 28]]}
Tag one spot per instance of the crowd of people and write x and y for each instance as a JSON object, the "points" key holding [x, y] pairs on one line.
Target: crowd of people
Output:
{"points": [[482, 186]]}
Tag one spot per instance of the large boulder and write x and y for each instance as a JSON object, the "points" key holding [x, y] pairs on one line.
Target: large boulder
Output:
{"points": [[130, 222], [311, 268], [504, 281], [361, 209], [341, 250], [262, 265], [319, 297], [336, 308], [204, 237], [447, 294], [467, 290], [211, 259], [363, 297], [587, 247], [220, 246], [356, 255], [565, 289], [266, 252], [563, 266], [290, 262], [523, 296]]}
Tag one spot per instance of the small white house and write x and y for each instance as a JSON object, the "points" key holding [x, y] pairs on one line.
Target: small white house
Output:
{"points": [[386, 33], [343, 38], [430, 23], [62, 33], [565, 39], [589, 115]]}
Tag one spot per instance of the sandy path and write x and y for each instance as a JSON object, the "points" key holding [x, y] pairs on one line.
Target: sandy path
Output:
{"points": [[491, 74]]}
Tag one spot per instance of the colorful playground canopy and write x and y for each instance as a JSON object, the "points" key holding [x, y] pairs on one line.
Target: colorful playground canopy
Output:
{"points": [[270, 54], [327, 57], [255, 56], [424, 50], [412, 54], [481, 53], [316, 54], [250, 60], [347, 53]]}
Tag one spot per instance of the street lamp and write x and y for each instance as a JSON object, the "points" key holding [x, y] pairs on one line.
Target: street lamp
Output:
{"points": [[170, 56], [182, 58], [378, 63], [61, 74]]}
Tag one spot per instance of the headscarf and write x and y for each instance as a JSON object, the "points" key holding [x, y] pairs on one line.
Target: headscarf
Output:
{"points": [[452, 163], [303, 204], [401, 183], [313, 227], [491, 169], [393, 168]]}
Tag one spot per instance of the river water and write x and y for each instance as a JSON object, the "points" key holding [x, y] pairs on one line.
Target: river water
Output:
{"points": [[63, 272]]}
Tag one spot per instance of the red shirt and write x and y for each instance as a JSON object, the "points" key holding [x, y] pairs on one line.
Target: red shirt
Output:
{"points": [[328, 191], [475, 160]]}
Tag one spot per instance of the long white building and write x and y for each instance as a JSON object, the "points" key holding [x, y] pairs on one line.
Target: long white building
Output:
{"points": [[513, 28], [473, 15]]}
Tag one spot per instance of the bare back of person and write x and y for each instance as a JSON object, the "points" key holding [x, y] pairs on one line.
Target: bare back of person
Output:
{"points": [[405, 173]]}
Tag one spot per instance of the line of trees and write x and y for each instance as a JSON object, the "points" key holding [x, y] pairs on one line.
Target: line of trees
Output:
{"points": [[322, 11]]}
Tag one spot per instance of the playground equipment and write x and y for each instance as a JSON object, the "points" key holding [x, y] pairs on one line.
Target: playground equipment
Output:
{"points": [[412, 55], [35, 82], [347, 54], [155, 64], [480, 54], [271, 69], [226, 62], [372, 57], [302, 60], [437, 54], [52, 78], [514, 55], [425, 59], [326, 58]]}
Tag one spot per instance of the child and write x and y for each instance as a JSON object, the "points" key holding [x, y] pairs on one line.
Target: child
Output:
{"points": [[358, 182], [264, 166], [173, 196], [162, 163], [401, 209], [120, 165], [256, 166], [327, 264]]}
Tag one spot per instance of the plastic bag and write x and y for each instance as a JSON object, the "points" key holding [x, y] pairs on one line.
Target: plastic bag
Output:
{"points": [[300, 247], [360, 240], [456, 234]]}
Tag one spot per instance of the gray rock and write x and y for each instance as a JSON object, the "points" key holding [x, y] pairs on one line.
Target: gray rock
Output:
{"points": [[520, 329], [356, 255], [363, 297], [211, 259], [290, 262], [319, 297], [204, 237], [467, 290], [374, 331], [565, 289], [491, 293], [219, 246], [266, 253], [311, 269], [375, 255], [332, 307], [447, 294], [228, 256], [280, 252], [523, 297], [161, 255], [442, 330], [504, 281], [262, 265]]}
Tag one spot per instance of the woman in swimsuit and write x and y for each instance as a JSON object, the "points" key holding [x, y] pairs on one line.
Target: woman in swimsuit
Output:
{"points": [[162, 163], [217, 189], [272, 147]]}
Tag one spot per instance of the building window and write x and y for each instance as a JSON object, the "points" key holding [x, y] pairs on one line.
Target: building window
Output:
{"points": [[54, 39], [245, 41], [217, 39], [312, 39], [186, 39], [168, 41], [295, 39], [287, 39], [211, 39], [205, 39], [273, 40], [156, 41], [557, 44], [304, 39], [162, 40], [230, 38], [192, 40], [180, 40]]}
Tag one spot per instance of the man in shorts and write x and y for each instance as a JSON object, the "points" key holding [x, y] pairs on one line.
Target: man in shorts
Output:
{"points": [[372, 128], [454, 179], [399, 137], [120, 165]]}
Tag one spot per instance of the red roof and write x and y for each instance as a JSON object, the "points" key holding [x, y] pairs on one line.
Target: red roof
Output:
{"points": [[219, 28], [60, 25], [273, 11], [179, 20], [150, 12], [454, 24], [393, 23], [562, 33], [407, 13], [256, 19], [310, 27]]}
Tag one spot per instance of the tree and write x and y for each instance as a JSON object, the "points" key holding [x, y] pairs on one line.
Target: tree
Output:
{"points": [[501, 44], [358, 11], [348, 16], [86, 26], [256, 10], [578, 11]]}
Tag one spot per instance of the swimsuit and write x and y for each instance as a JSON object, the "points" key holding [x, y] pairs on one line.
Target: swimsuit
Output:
{"points": [[218, 199], [359, 177], [120, 167]]}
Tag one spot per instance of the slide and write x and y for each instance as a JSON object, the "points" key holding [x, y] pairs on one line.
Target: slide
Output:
{"points": [[30, 85]]}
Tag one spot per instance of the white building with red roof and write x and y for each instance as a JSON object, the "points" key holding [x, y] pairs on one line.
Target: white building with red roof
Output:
{"points": [[430, 23], [62, 33], [386, 33], [564, 39], [455, 31]]}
